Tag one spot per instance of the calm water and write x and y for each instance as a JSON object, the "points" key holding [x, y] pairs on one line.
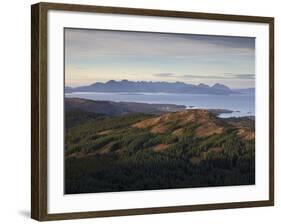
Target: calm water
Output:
{"points": [[241, 104]]}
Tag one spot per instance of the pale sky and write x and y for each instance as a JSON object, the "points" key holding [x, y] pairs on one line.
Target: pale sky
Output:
{"points": [[102, 55]]}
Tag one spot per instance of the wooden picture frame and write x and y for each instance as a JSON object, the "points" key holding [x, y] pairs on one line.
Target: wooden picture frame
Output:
{"points": [[39, 105]]}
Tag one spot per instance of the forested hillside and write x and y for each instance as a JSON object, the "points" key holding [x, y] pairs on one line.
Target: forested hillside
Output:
{"points": [[138, 151]]}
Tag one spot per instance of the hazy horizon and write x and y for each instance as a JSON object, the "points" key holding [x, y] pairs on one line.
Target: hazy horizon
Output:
{"points": [[154, 81], [101, 55]]}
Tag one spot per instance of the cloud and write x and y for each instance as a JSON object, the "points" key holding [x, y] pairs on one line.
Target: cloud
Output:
{"points": [[108, 54], [240, 76], [165, 75], [220, 76], [90, 44]]}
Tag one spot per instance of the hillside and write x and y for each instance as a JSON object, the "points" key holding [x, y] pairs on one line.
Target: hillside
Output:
{"points": [[136, 151], [113, 108]]}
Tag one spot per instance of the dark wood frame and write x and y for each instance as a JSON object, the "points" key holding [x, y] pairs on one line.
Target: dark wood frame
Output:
{"points": [[39, 110]]}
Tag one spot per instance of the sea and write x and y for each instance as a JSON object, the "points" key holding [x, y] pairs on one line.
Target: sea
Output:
{"points": [[240, 104]]}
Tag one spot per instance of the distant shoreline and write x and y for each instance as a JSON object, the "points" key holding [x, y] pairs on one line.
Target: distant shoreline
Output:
{"points": [[136, 107]]}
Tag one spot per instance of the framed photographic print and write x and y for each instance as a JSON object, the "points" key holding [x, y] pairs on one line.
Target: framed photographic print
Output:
{"points": [[140, 111]]}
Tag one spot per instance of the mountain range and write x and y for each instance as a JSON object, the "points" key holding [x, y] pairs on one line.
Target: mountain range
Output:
{"points": [[166, 87]]}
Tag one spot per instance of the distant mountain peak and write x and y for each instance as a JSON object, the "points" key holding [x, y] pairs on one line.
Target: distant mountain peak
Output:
{"points": [[111, 81], [203, 85], [220, 86]]}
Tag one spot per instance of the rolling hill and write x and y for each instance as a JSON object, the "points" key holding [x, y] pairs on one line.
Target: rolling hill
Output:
{"points": [[146, 151], [119, 108]]}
